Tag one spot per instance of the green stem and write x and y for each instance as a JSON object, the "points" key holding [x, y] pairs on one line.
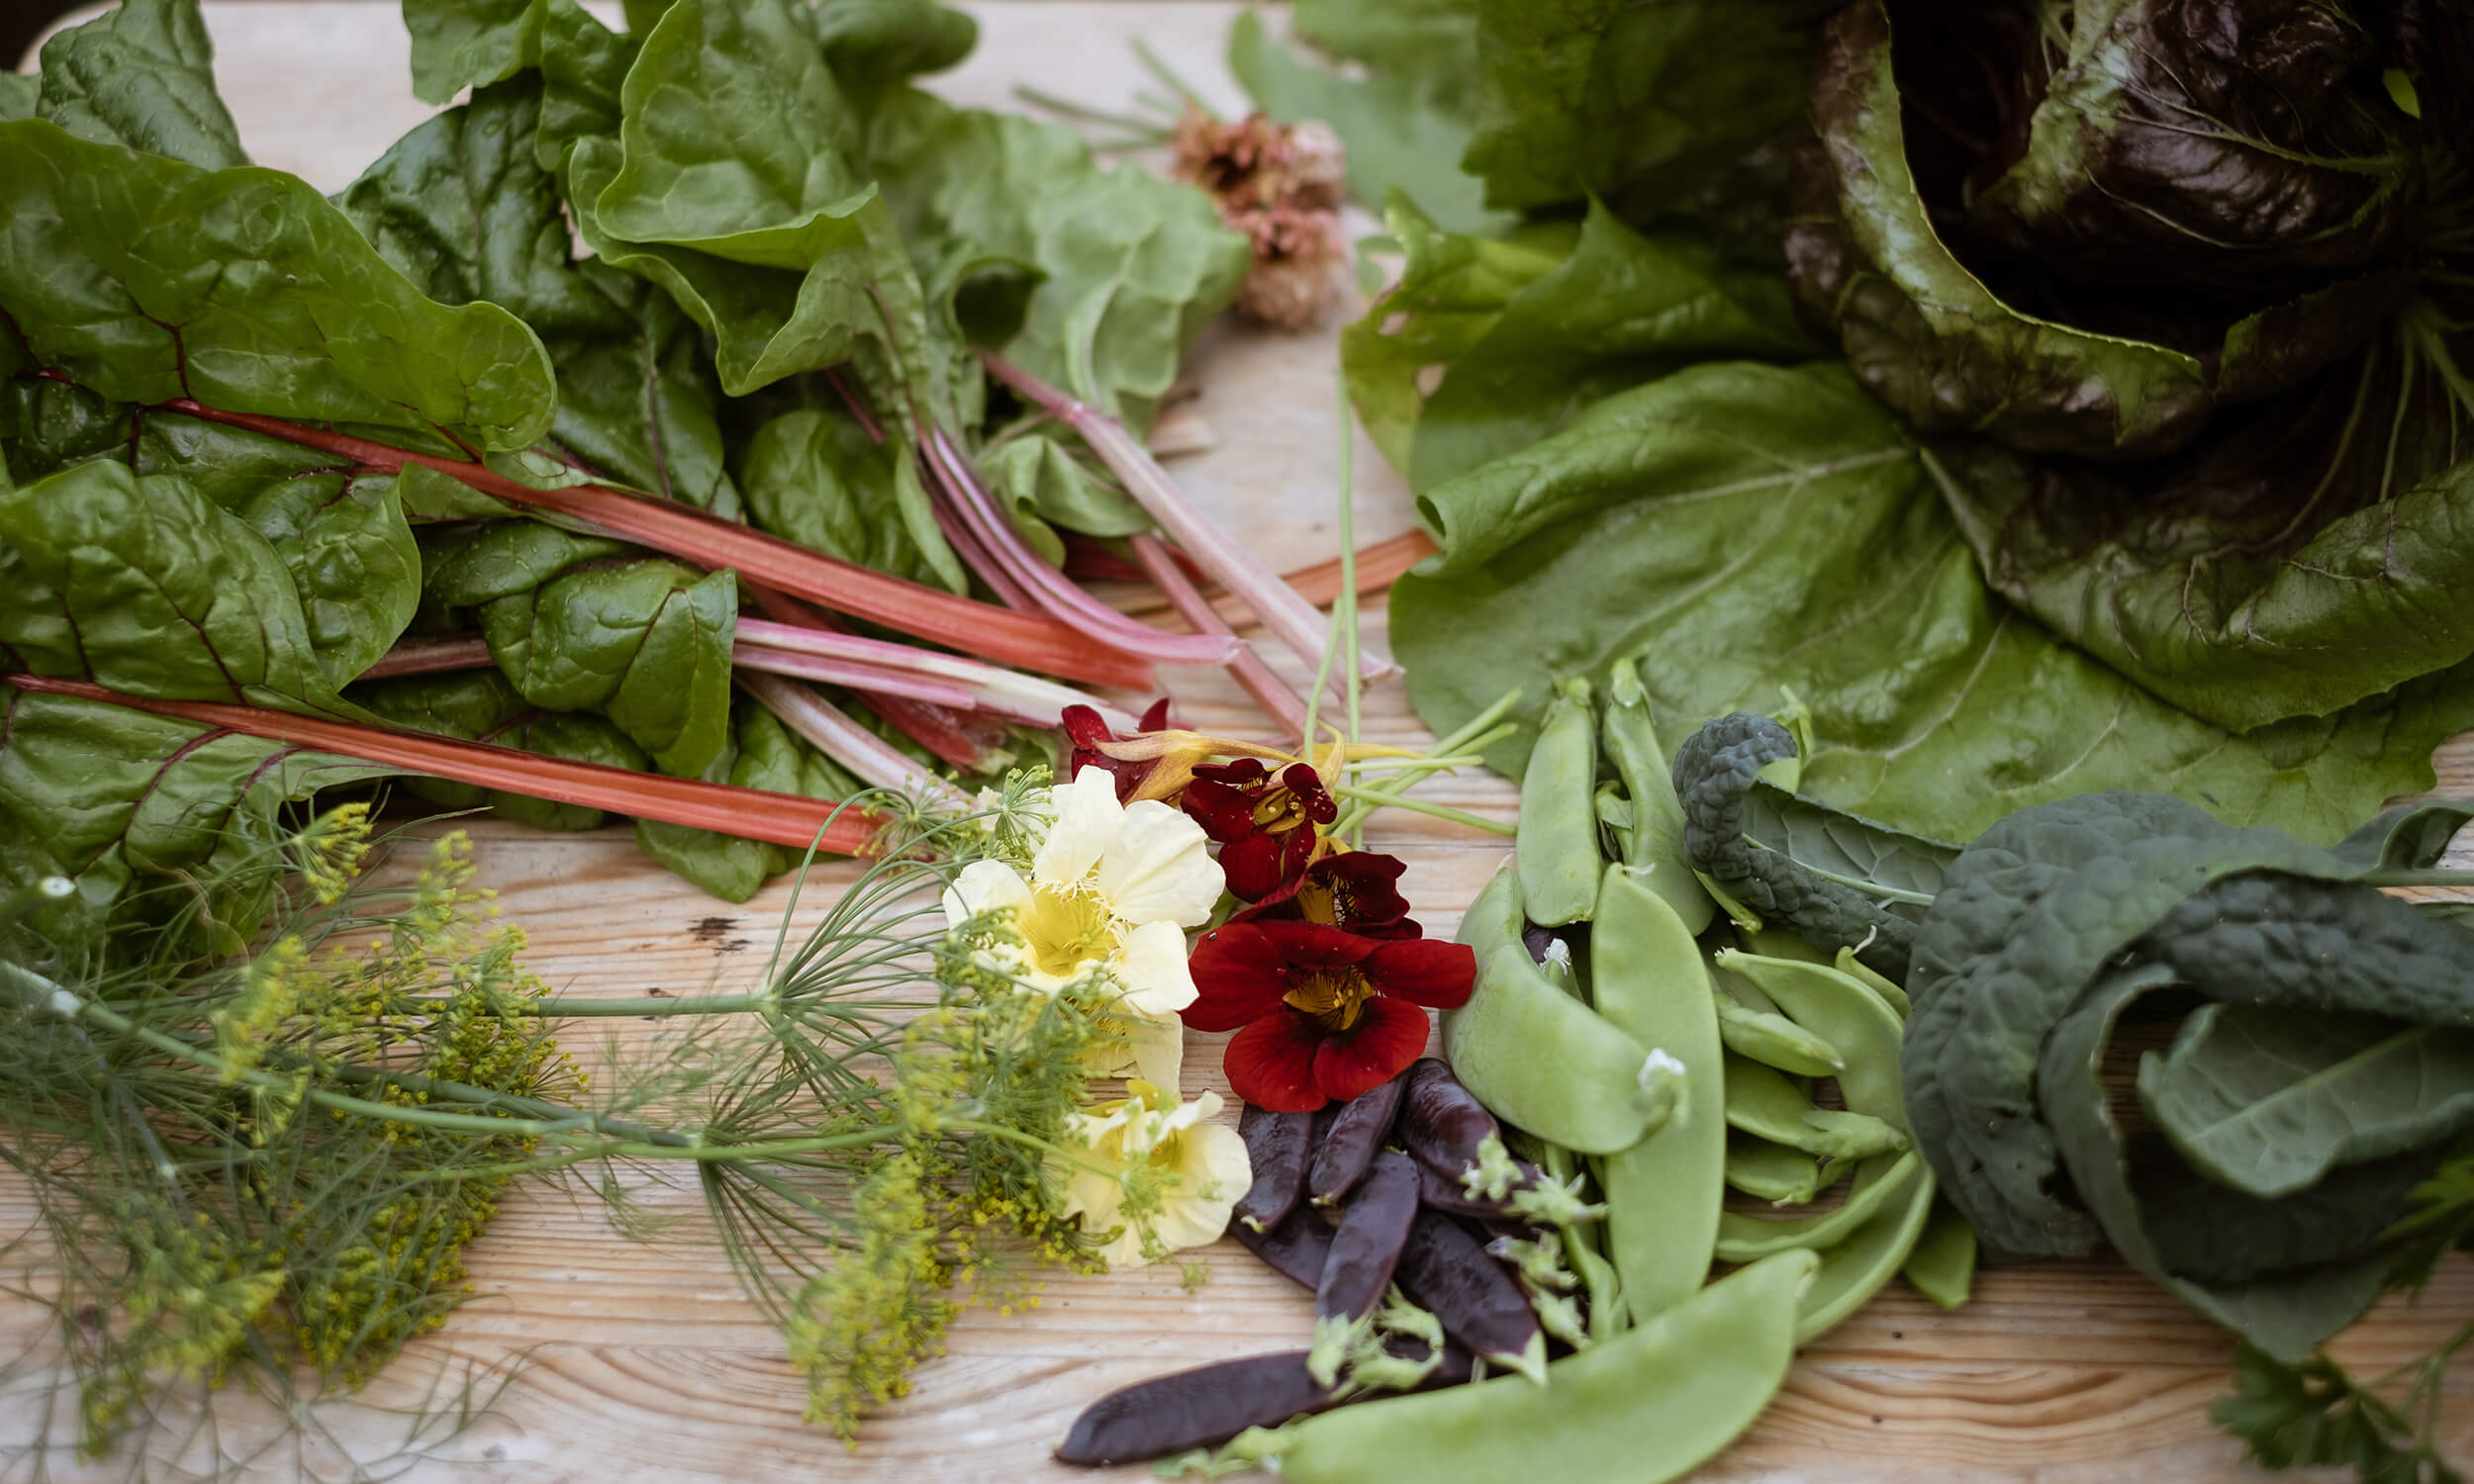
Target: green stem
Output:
{"points": [[560, 1007], [2436, 876], [1156, 133], [1415, 771], [1344, 610], [1392, 800]]}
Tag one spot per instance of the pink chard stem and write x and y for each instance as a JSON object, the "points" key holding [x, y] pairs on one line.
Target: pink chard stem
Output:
{"points": [[1290, 618], [845, 741], [1269, 691]]}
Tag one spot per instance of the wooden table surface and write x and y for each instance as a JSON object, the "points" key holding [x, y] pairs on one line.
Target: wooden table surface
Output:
{"points": [[637, 1359]]}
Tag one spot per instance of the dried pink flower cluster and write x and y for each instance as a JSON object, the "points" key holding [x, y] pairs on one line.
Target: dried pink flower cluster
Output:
{"points": [[1280, 184]]}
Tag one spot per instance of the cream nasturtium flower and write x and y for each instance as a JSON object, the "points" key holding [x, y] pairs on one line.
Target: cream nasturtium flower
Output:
{"points": [[1113, 887], [1184, 1173]]}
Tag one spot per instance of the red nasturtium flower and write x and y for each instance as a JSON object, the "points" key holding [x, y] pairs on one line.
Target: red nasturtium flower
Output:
{"points": [[1355, 889], [1326, 1013], [1267, 823]]}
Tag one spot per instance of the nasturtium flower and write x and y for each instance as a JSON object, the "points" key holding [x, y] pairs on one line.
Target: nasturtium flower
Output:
{"points": [[1320, 1013], [1111, 889], [1267, 823], [1355, 889], [1155, 1171]]}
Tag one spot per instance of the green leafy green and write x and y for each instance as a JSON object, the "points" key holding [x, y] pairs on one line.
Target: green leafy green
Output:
{"points": [[148, 279], [141, 583], [462, 44], [2314, 1415], [1044, 486], [141, 75], [1435, 39], [18, 92], [763, 754], [1745, 529], [2266, 1101], [1402, 131], [813, 475], [481, 705], [646, 641], [873, 45], [1647, 104]]}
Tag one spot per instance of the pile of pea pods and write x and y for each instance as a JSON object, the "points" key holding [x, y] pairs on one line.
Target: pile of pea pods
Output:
{"points": [[1635, 1048]]}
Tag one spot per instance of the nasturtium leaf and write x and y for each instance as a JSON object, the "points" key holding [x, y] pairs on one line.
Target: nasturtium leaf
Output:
{"points": [[141, 583], [462, 44], [141, 75], [1741, 529], [646, 642], [1646, 104], [481, 705], [1401, 132], [148, 279], [2269, 1101]]}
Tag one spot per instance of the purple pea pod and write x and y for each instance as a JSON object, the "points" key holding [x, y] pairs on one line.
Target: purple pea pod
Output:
{"points": [[1364, 1249], [1451, 1135], [1200, 1408], [1445, 1269], [1356, 1134], [1277, 1144], [1298, 1249]]}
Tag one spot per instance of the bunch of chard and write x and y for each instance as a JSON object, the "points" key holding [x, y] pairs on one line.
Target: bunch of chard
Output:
{"points": [[483, 467], [1379, 1206]]}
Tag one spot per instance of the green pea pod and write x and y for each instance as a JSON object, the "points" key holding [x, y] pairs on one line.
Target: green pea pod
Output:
{"points": [[1539, 1058], [1851, 1017], [1855, 1269], [1654, 843], [1878, 1181], [1942, 1267], [1494, 919], [1772, 1172], [1663, 1194], [1742, 990], [1644, 1406], [1784, 942], [1776, 1041], [1761, 1102], [1557, 849], [1887, 988]]}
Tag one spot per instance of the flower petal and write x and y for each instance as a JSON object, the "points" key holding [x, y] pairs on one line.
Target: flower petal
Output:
{"points": [[1387, 1036], [1252, 865], [1317, 944], [1224, 812], [1271, 1063], [1152, 966], [1238, 977], [1087, 818], [1157, 1047], [982, 885], [1157, 867], [1423, 970]]}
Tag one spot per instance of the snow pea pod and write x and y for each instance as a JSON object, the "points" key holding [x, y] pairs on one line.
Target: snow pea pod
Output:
{"points": [[1496, 917], [1663, 1194], [1557, 849], [1942, 1267], [1365, 1249], [1357, 1132], [1853, 1270], [1761, 1102], [1863, 974], [1277, 1144], [1776, 1173], [1878, 1181], [1654, 842], [1851, 1017], [1543, 1060], [1773, 1040], [1298, 1249], [1644, 1406]]}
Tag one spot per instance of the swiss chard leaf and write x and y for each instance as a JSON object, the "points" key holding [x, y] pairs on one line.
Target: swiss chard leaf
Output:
{"points": [[105, 795], [813, 475], [1044, 486], [481, 705], [141, 583], [763, 754], [1742, 529], [1432, 39], [1402, 131], [142, 74], [17, 94], [1644, 105], [469, 564], [2268, 1101], [462, 205], [148, 279], [647, 642], [462, 44]]}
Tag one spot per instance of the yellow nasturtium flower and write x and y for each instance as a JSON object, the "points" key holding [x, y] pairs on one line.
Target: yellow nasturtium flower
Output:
{"points": [[1155, 1170]]}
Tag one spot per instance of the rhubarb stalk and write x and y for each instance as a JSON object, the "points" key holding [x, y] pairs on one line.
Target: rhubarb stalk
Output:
{"points": [[787, 820]]}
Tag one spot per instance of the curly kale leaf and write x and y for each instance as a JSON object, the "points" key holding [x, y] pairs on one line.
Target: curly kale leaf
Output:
{"points": [[1795, 861]]}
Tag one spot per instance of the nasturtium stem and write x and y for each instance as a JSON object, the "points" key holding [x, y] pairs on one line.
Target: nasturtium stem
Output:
{"points": [[1392, 800]]}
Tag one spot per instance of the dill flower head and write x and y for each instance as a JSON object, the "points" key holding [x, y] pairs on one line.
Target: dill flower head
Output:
{"points": [[1156, 1176], [1110, 889]]}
